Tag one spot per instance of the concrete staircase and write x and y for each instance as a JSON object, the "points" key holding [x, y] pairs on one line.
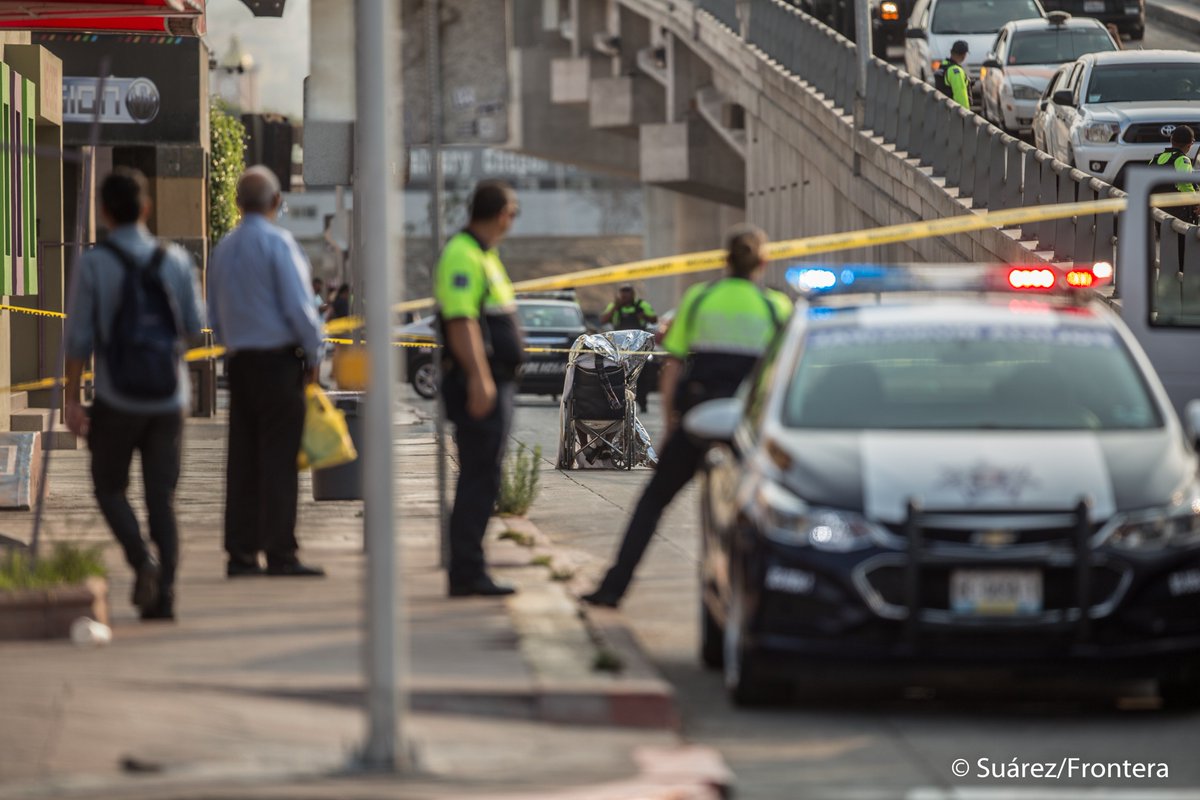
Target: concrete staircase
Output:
{"points": [[24, 419]]}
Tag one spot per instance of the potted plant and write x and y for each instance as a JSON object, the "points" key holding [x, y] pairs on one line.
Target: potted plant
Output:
{"points": [[40, 598]]}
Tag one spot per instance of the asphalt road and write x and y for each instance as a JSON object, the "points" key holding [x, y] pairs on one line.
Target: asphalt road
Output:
{"points": [[876, 741]]}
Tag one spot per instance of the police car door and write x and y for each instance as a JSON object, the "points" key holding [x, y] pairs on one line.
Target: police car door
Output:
{"points": [[1161, 307], [1063, 117]]}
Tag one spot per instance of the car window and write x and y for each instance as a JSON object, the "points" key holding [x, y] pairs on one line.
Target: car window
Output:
{"points": [[968, 377], [1152, 83], [538, 315], [1057, 46], [1054, 84], [967, 17]]}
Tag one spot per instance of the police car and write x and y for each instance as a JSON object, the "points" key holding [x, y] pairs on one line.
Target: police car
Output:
{"points": [[944, 467]]}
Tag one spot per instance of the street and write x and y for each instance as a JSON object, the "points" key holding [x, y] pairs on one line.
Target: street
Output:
{"points": [[860, 741]]}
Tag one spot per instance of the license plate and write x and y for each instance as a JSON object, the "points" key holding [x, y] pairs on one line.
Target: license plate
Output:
{"points": [[1093, 6], [1016, 592]]}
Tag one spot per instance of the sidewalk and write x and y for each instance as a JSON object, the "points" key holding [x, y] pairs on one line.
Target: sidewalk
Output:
{"points": [[1181, 14], [257, 691]]}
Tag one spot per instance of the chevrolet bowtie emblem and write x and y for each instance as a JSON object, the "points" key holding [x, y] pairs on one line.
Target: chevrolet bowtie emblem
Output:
{"points": [[996, 538]]}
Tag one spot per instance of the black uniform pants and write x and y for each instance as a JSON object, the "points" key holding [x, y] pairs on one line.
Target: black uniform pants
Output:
{"points": [[677, 464], [266, 422], [481, 444], [112, 437]]}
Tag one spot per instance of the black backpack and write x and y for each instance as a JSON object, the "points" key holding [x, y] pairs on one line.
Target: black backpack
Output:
{"points": [[143, 349], [943, 85]]}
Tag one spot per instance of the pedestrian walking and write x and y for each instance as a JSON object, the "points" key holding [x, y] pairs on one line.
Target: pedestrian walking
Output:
{"points": [[477, 309], [956, 83], [630, 312], [134, 303], [719, 332], [260, 308]]}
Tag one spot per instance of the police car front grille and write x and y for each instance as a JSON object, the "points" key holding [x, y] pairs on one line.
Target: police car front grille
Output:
{"points": [[1152, 132], [990, 536], [1058, 587]]}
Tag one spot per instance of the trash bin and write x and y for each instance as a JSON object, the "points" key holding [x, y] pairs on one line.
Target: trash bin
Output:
{"points": [[343, 482]]}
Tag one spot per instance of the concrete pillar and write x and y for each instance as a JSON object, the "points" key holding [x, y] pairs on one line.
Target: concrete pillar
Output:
{"points": [[686, 75], [679, 223], [329, 90]]}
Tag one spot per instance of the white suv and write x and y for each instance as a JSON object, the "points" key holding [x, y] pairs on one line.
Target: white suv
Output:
{"points": [[935, 25], [1109, 110]]}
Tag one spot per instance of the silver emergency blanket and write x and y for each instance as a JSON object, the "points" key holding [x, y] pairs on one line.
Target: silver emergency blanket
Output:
{"points": [[598, 424]]}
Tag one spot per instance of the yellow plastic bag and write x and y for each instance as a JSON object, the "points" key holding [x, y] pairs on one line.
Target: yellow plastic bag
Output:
{"points": [[326, 441]]}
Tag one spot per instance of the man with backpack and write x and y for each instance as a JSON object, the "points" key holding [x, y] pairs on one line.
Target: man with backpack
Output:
{"points": [[951, 80], [720, 330], [134, 303]]}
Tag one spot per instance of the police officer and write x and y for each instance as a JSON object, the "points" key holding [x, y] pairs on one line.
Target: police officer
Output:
{"points": [[477, 309], [956, 75], [630, 312], [1176, 156], [718, 333]]}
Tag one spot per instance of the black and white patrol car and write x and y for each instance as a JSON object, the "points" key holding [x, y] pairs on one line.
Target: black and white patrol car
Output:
{"points": [[939, 468]]}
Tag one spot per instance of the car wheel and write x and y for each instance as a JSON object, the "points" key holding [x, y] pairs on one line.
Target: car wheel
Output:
{"points": [[744, 681], [424, 380], [712, 638]]}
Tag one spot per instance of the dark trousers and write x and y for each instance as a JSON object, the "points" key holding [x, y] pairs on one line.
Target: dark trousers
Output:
{"points": [[113, 437], [266, 422], [481, 444], [677, 463]]}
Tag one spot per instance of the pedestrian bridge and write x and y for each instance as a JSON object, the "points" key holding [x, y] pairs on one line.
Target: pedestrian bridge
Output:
{"points": [[734, 109]]}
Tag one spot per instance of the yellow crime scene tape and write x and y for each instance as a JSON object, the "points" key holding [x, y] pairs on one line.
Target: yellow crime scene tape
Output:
{"points": [[709, 260]]}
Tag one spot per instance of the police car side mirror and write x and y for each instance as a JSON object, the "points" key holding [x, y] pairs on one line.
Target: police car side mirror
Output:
{"points": [[714, 420], [915, 33], [1063, 97], [1191, 421]]}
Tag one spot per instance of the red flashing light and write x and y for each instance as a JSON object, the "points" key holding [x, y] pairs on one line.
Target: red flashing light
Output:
{"points": [[1035, 279]]}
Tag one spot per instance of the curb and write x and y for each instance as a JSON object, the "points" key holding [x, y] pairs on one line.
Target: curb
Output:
{"points": [[1173, 17], [569, 689]]}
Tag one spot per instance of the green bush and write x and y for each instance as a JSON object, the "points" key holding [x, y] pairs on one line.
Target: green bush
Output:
{"points": [[519, 481], [67, 564], [228, 154]]}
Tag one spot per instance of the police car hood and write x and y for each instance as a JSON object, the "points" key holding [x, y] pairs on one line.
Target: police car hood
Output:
{"points": [[1126, 113], [1036, 75], [878, 472]]}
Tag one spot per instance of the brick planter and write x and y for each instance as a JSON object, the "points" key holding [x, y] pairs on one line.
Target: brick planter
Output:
{"points": [[48, 613]]}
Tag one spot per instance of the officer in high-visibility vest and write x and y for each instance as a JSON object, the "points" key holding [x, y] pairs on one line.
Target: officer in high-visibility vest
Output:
{"points": [[478, 312], [1176, 156], [718, 333], [630, 312], [956, 75]]}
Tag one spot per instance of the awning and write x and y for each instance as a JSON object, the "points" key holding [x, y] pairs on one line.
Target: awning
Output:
{"points": [[176, 17]]}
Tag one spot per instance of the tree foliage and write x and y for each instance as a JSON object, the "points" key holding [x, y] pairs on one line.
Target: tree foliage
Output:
{"points": [[228, 161]]}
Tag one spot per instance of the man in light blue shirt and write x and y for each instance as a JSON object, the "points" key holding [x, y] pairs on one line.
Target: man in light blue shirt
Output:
{"points": [[260, 308], [119, 423]]}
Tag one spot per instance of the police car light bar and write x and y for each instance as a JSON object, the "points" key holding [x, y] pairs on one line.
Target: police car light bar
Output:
{"points": [[813, 281]]}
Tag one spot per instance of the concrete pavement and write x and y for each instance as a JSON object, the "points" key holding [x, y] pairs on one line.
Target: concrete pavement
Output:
{"points": [[1180, 14], [256, 691]]}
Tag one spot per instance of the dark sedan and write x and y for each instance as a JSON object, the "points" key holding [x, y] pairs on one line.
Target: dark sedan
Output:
{"points": [[992, 477], [549, 326]]}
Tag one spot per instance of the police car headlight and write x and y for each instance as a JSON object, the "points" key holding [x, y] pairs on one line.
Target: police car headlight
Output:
{"points": [[789, 520], [1101, 132], [1177, 525], [1022, 92]]}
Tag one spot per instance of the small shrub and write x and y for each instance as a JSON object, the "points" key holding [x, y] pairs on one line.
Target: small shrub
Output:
{"points": [[67, 564], [228, 160], [562, 574], [541, 561], [519, 482], [516, 537], [607, 661]]}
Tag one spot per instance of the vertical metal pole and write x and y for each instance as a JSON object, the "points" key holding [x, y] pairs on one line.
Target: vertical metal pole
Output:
{"points": [[433, 51], [862, 40], [377, 164]]}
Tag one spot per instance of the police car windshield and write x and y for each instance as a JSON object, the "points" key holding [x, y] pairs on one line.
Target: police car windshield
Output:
{"points": [[956, 377], [1149, 83], [980, 16], [1058, 46], [549, 315]]}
